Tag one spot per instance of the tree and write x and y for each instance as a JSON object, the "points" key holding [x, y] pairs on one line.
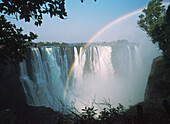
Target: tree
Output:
{"points": [[13, 43], [27, 9], [156, 22]]}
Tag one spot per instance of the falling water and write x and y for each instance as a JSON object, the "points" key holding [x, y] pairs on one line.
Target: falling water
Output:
{"points": [[116, 71]]}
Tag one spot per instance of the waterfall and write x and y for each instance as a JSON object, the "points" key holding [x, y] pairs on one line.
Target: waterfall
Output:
{"points": [[114, 71], [47, 69]]}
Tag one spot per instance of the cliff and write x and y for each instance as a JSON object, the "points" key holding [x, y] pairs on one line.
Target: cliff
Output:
{"points": [[11, 91], [156, 105], [158, 86], [13, 107]]}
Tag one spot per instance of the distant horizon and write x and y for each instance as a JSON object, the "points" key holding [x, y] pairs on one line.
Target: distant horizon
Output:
{"points": [[83, 41]]}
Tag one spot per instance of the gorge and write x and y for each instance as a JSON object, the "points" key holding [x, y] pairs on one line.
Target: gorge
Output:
{"points": [[119, 72], [116, 71]]}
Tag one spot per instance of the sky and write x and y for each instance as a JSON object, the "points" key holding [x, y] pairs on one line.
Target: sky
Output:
{"points": [[87, 18]]}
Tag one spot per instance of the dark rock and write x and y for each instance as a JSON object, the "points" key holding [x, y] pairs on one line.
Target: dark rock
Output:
{"points": [[11, 91], [155, 108], [39, 115], [12, 98], [158, 86], [166, 106]]}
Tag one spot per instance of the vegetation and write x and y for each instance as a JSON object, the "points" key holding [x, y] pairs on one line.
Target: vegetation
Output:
{"points": [[14, 44], [156, 22], [141, 113], [64, 44], [34, 9], [26, 9], [91, 115], [13, 41]]}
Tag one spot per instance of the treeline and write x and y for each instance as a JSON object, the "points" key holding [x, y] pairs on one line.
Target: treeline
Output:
{"points": [[118, 42]]}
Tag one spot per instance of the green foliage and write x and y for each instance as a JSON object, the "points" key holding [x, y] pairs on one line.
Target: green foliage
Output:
{"points": [[107, 114], [120, 108], [104, 114], [34, 9], [110, 112], [156, 22], [89, 113], [152, 14], [26, 9], [13, 43]]}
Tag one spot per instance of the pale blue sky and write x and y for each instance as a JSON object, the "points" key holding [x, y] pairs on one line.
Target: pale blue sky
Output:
{"points": [[85, 19]]}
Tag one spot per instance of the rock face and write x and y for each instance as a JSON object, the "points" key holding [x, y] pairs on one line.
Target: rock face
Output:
{"points": [[12, 97], [158, 86], [11, 91]]}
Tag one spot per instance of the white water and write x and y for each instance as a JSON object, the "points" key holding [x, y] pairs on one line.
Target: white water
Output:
{"points": [[118, 72]]}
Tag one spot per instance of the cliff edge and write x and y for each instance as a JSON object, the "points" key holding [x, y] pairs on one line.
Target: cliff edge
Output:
{"points": [[158, 86]]}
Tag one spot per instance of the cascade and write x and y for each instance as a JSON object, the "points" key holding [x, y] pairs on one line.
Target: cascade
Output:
{"points": [[114, 71]]}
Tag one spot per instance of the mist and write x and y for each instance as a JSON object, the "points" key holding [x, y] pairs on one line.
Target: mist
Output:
{"points": [[127, 87], [118, 73]]}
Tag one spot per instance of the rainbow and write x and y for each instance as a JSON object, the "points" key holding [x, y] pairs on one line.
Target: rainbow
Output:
{"points": [[95, 36]]}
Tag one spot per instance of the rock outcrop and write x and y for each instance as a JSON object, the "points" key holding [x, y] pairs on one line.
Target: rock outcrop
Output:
{"points": [[158, 86], [156, 105]]}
